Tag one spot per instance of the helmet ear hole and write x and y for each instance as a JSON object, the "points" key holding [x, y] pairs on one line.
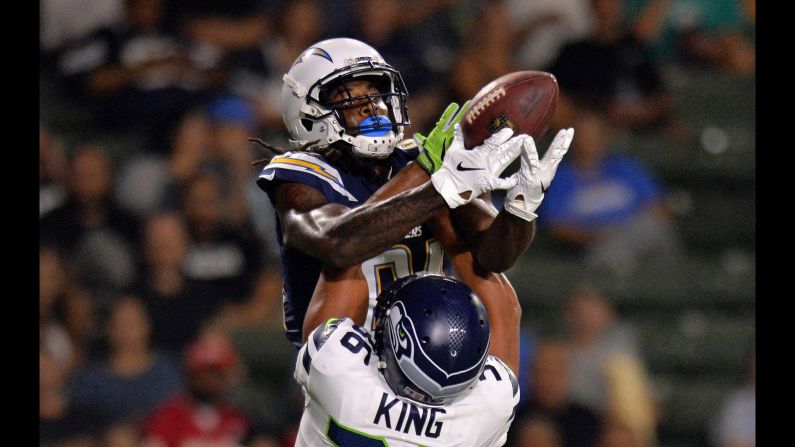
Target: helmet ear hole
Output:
{"points": [[308, 124]]}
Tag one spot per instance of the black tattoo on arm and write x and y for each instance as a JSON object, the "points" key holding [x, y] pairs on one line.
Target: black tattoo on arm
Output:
{"points": [[340, 236]]}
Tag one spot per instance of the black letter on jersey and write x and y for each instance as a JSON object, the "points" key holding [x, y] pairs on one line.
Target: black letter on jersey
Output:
{"points": [[416, 419], [354, 348], [493, 371], [383, 410], [436, 426], [400, 418]]}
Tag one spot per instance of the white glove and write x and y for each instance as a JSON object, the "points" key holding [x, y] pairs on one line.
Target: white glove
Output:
{"points": [[534, 177], [466, 174]]}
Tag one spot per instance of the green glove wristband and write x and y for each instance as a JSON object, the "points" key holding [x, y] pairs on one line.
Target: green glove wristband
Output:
{"points": [[434, 146]]}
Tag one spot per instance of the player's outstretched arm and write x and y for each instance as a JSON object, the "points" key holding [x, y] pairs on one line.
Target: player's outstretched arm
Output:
{"points": [[339, 293], [343, 292], [497, 239], [499, 298], [498, 244], [341, 237]]}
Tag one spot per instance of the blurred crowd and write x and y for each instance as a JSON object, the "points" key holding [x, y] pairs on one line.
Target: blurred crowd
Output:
{"points": [[160, 279]]}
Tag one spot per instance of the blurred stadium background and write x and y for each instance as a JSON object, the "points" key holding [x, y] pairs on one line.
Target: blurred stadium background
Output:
{"points": [[147, 197]]}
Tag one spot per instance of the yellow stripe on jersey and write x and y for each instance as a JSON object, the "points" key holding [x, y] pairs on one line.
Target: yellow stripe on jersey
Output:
{"points": [[316, 168]]}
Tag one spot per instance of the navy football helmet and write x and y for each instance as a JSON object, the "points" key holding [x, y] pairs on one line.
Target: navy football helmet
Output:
{"points": [[432, 338]]}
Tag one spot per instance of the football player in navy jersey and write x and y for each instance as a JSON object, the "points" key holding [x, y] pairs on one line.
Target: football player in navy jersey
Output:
{"points": [[350, 200]]}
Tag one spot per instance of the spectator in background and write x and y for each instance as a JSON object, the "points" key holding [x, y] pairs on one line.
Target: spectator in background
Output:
{"points": [[202, 414], [388, 27], [221, 258], [299, 24], [550, 408], [232, 122], [535, 432], [735, 425], [52, 171], [612, 71], [716, 34], [122, 435], [607, 373], [487, 54], [132, 380], [544, 26], [140, 74], [64, 22], [153, 180], [189, 149], [618, 435], [145, 185], [96, 236], [59, 424], [229, 28], [177, 305], [269, 394], [216, 143], [65, 313], [607, 206]]}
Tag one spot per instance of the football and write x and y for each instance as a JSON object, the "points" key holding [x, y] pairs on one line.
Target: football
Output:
{"points": [[524, 101]]}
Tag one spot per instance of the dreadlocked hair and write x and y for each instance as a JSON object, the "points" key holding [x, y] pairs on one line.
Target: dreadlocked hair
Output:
{"points": [[330, 153]]}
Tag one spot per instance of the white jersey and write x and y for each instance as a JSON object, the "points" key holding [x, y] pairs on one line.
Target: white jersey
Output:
{"points": [[349, 404]]}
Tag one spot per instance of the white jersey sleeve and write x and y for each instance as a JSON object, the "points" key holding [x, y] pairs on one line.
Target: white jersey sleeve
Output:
{"points": [[498, 385], [348, 402]]}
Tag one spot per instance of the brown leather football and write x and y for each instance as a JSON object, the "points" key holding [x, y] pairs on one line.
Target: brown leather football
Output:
{"points": [[524, 101]]}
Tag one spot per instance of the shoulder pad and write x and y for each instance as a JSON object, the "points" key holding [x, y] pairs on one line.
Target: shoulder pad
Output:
{"points": [[324, 331]]}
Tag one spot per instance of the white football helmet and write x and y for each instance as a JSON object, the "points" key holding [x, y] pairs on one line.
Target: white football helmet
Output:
{"points": [[308, 114]]}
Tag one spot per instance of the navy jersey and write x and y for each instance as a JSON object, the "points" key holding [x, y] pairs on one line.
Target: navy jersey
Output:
{"points": [[417, 252]]}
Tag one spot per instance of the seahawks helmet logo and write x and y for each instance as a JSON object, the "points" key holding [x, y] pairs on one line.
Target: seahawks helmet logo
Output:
{"points": [[399, 335]]}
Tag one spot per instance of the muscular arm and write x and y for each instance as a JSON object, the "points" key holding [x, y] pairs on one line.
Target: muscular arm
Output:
{"points": [[343, 292], [494, 289], [499, 297], [340, 292], [496, 239], [333, 233]]}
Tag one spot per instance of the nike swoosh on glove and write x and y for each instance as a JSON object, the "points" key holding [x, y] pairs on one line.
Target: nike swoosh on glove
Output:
{"points": [[466, 174], [534, 176]]}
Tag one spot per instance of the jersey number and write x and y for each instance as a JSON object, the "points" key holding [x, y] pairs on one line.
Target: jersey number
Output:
{"points": [[399, 261], [355, 343]]}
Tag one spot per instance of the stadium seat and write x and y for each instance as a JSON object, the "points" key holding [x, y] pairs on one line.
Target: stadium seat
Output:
{"points": [[696, 343], [688, 408]]}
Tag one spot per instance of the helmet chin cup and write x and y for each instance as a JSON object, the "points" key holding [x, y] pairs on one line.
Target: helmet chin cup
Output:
{"points": [[374, 147], [376, 139]]}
